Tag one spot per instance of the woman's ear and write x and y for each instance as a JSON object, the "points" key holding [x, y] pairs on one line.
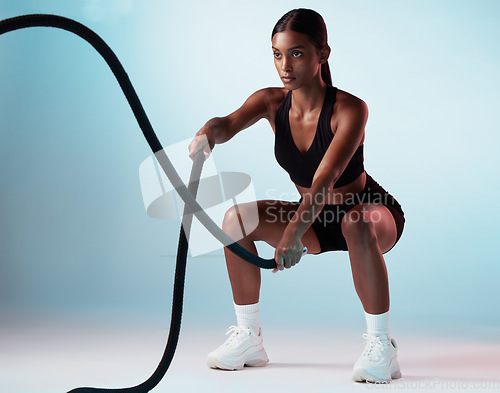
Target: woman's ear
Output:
{"points": [[324, 54]]}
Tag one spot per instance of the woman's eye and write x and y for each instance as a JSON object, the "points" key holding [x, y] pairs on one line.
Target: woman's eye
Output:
{"points": [[277, 55], [296, 54]]}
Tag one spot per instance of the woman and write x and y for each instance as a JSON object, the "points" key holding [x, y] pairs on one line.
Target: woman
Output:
{"points": [[319, 134]]}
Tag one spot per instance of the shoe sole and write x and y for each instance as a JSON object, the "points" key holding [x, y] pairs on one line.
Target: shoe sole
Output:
{"points": [[361, 375], [258, 359]]}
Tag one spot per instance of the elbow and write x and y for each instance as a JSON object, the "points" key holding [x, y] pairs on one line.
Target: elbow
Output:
{"points": [[323, 183], [320, 188]]}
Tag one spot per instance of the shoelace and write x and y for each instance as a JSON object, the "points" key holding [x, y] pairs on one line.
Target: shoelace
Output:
{"points": [[375, 348], [236, 334]]}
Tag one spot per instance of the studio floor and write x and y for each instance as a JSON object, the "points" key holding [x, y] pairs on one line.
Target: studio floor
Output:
{"points": [[58, 356]]}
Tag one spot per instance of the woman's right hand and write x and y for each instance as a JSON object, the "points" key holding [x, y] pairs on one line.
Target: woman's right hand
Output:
{"points": [[204, 140]]}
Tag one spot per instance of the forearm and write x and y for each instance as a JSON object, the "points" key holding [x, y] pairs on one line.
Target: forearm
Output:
{"points": [[312, 203], [310, 207]]}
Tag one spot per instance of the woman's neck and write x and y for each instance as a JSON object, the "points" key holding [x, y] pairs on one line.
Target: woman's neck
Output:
{"points": [[310, 97]]}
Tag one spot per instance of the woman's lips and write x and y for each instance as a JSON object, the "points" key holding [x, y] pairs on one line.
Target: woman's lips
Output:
{"points": [[287, 79]]}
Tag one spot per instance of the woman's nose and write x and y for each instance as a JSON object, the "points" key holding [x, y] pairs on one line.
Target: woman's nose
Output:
{"points": [[286, 65]]}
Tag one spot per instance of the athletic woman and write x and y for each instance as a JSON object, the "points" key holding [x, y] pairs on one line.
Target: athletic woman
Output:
{"points": [[319, 134]]}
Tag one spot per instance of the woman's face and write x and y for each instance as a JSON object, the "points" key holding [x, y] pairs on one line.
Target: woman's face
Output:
{"points": [[296, 59]]}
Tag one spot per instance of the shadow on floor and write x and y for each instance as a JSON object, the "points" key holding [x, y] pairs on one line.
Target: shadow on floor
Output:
{"points": [[325, 366]]}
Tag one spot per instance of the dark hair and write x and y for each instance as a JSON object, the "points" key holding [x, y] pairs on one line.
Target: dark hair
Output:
{"points": [[311, 23]]}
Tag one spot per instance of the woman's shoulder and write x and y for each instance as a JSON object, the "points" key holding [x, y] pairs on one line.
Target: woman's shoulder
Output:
{"points": [[272, 97], [272, 94], [347, 100], [348, 104]]}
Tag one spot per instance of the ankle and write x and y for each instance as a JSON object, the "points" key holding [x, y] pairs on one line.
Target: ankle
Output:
{"points": [[247, 316], [378, 324]]}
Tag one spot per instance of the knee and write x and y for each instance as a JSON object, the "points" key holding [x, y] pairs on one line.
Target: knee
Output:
{"points": [[239, 221], [231, 223], [357, 226]]}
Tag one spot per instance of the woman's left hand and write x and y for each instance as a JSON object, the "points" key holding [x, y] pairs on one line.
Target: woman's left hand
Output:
{"points": [[288, 252]]}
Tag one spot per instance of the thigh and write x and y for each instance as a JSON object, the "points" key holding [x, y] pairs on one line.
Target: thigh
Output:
{"points": [[369, 219], [273, 218]]}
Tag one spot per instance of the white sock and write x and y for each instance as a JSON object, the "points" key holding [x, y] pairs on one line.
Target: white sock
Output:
{"points": [[248, 316], [377, 324]]}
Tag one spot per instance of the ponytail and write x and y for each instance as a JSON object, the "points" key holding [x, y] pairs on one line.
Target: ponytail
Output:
{"points": [[326, 74]]}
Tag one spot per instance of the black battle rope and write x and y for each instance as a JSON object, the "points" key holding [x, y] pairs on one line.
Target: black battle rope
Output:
{"points": [[187, 195]]}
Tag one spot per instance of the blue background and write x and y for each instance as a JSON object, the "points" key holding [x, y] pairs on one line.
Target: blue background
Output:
{"points": [[74, 236]]}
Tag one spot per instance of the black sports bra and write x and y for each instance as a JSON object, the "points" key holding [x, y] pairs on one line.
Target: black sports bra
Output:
{"points": [[302, 166]]}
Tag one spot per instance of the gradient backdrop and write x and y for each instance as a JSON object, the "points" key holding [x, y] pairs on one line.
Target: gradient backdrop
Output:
{"points": [[74, 236]]}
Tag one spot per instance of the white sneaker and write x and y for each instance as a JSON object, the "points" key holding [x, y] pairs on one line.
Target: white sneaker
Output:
{"points": [[242, 348], [378, 363]]}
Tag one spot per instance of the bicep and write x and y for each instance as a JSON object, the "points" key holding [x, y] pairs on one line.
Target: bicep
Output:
{"points": [[348, 136]]}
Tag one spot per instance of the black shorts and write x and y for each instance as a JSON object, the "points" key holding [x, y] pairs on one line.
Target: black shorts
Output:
{"points": [[327, 225]]}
